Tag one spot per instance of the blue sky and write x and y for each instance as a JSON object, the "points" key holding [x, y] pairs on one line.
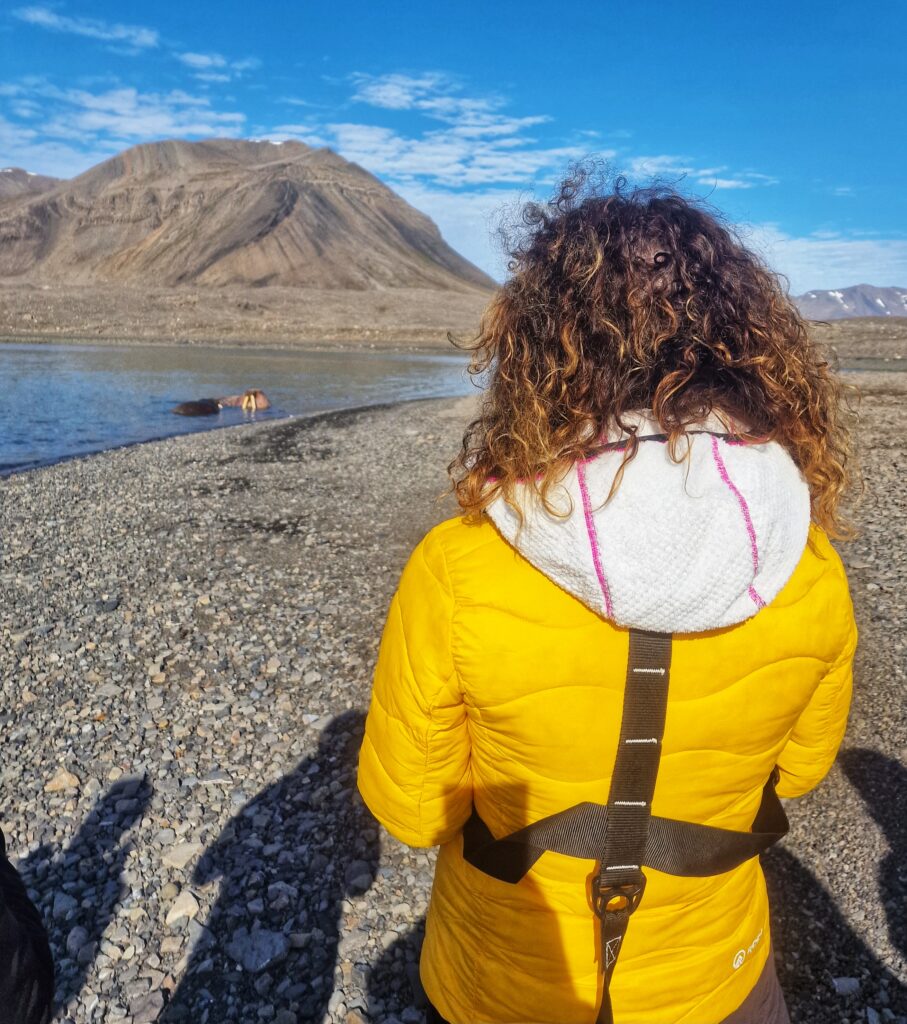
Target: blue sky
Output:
{"points": [[788, 117]]}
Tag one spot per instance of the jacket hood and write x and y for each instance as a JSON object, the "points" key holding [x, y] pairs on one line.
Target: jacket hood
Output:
{"points": [[680, 547]]}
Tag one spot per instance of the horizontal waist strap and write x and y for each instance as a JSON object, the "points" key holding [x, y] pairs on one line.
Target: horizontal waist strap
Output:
{"points": [[675, 847]]}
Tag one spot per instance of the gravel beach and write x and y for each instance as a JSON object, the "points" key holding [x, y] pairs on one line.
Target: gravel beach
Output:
{"points": [[187, 632]]}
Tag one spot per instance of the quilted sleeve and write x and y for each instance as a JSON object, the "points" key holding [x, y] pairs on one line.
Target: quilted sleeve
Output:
{"points": [[813, 745], [414, 766]]}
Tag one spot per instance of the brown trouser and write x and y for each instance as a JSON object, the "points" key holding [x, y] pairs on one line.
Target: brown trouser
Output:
{"points": [[764, 1005]]}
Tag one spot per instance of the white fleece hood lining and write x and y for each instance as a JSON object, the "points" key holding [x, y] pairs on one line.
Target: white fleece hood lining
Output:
{"points": [[680, 547]]}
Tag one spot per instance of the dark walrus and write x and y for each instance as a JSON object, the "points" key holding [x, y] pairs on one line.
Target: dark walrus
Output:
{"points": [[203, 407]]}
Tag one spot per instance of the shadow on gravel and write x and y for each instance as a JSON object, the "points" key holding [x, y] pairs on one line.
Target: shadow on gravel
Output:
{"points": [[882, 783], [393, 982], [285, 862], [814, 944], [77, 888]]}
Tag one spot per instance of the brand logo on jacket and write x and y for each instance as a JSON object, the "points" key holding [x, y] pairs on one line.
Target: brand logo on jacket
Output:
{"points": [[741, 954]]}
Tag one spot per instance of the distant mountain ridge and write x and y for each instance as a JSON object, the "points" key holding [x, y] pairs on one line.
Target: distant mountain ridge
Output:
{"points": [[14, 182], [857, 301], [224, 212]]}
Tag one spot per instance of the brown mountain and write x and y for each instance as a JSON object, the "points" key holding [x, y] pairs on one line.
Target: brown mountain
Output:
{"points": [[15, 182], [228, 212]]}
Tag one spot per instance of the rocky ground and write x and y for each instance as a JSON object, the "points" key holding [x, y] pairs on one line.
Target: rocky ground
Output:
{"points": [[187, 630], [867, 337]]}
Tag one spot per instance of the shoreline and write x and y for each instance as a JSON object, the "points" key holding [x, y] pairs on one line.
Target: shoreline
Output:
{"points": [[886, 358], [186, 627], [352, 343]]}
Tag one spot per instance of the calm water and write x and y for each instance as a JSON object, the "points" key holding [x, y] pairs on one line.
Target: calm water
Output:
{"points": [[66, 400]]}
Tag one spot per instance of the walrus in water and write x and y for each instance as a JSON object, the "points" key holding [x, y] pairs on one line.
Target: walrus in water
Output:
{"points": [[252, 400], [249, 401]]}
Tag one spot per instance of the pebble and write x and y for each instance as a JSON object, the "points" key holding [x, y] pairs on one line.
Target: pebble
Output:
{"points": [[358, 877], [180, 855], [846, 986], [64, 905], [60, 781], [169, 892], [185, 907], [76, 939], [259, 949], [146, 1009]]}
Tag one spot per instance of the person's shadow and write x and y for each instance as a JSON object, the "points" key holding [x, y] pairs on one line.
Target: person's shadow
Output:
{"points": [[394, 986], [76, 889], [393, 980], [814, 943], [882, 783], [285, 863]]}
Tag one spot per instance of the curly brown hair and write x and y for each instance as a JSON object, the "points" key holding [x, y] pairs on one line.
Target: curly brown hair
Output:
{"points": [[622, 299]]}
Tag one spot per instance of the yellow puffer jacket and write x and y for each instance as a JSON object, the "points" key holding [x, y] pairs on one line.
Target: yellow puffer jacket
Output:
{"points": [[497, 683]]}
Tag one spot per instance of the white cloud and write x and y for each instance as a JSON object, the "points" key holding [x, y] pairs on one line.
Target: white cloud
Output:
{"points": [[215, 67], [663, 165], [728, 183], [824, 260], [137, 36], [437, 96], [761, 179], [27, 148], [446, 158], [676, 168], [202, 60], [130, 115], [398, 92], [478, 142], [70, 129]]}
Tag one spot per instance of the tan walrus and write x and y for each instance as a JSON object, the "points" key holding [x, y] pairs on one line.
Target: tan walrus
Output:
{"points": [[252, 400]]}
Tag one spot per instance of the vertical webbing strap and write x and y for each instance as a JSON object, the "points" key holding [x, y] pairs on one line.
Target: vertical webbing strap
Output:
{"points": [[620, 882]]}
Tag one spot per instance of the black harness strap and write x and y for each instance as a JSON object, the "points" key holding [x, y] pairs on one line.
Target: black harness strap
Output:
{"points": [[618, 888], [623, 836]]}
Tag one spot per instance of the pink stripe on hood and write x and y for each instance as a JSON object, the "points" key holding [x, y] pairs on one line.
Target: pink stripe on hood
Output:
{"points": [[593, 538], [745, 512]]}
